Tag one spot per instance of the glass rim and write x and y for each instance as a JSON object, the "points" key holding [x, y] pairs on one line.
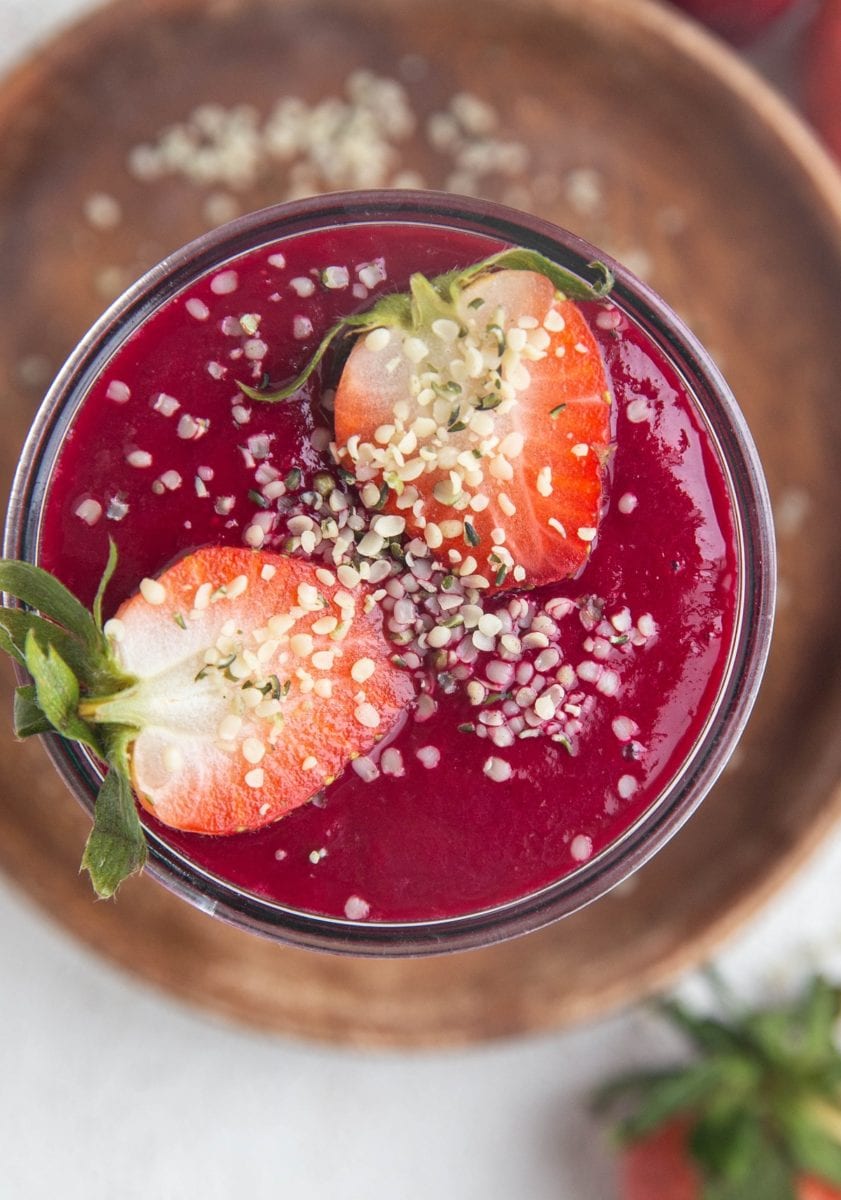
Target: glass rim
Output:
{"points": [[737, 456]]}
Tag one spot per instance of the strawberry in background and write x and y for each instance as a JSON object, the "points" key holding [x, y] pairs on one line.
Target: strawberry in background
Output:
{"points": [[822, 74], [754, 1115], [740, 21]]}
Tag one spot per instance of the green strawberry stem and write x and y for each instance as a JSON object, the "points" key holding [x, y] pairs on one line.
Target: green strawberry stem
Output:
{"points": [[762, 1096], [430, 299], [70, 660]]}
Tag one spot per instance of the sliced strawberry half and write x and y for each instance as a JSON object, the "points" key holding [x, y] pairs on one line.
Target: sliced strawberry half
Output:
{"points": [[488, 422], [258, 678]]}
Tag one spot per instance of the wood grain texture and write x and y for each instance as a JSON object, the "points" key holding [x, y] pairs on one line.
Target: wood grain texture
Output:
{"points": [[707, 182]]}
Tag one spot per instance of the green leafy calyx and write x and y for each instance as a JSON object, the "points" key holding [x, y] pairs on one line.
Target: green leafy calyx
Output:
{"points": [[762, 1098], [74, 672], [430, 299]]}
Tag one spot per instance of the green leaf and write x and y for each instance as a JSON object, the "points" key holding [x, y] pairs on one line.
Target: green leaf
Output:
{"points": [[116, 847], [798, 1037], [390, 312], [10, 638], [774, 1034], [432, 298], [16, 623], [110, 567], [669, 1094], [706, 1033], [427, 302], [40, 590], [770, 1177], [726, 1141], [520, 259], [57, 692], [28, 717], [771, 1112], [289, 389], [820, 1012], [813, 1150]]}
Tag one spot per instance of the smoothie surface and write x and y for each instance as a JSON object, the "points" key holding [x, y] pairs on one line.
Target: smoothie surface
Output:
{"points": [[166, 455]]}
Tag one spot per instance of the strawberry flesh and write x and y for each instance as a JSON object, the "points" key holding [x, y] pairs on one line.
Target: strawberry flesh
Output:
{"points": [[490, 429], [259, 679]]}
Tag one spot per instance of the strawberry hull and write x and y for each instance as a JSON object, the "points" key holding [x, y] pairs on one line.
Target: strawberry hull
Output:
{"points": [[164, 455]]}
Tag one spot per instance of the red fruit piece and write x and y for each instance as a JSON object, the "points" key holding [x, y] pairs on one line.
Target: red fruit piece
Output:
{"points": [[740, 21], [490, 425], [809, 1187], [658, 1166], [822, 79], [756, 1105], [258, 680]]}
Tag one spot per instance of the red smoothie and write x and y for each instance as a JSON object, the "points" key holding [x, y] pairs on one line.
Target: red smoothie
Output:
{"points": [[482, 794]]}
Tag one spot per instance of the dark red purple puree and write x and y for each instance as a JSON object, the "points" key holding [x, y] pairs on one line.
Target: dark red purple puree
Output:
{"points": [[448, 840]]}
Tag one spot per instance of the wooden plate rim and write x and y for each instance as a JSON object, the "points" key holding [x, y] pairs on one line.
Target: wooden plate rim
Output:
{"points": [[786, 135]]}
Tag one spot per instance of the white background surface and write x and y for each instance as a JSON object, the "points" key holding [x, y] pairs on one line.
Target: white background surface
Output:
{"points": [[109, 1089]]}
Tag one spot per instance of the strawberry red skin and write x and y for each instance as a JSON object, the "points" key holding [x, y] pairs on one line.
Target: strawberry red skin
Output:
{"points": [[822, 74], [810, 1188], [659, 1167], [740, 21]]}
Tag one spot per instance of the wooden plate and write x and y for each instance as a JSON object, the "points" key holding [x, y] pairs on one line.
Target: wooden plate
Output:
{"points": [[618, 120]]}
